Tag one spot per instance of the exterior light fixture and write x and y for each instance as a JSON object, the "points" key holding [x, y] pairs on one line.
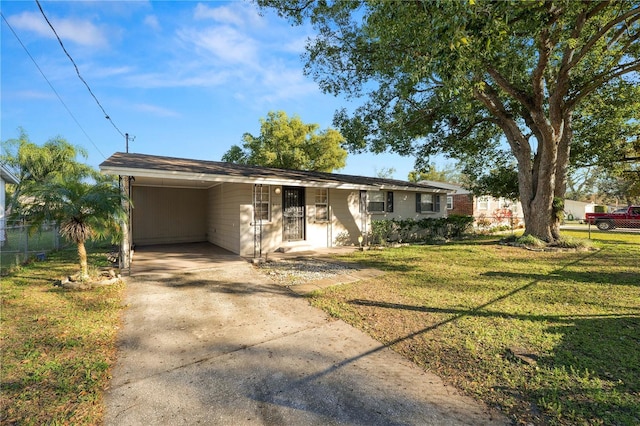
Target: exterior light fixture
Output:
{"points": [[277, 190]]}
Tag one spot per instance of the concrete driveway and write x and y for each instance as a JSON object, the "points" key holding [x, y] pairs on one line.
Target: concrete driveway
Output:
{"points": [[218, 343]]}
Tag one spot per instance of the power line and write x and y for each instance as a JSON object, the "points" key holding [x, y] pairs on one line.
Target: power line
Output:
{"points": [[78, 71], [51, 86]]}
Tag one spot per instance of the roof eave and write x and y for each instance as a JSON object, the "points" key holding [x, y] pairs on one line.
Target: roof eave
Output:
{"points": [[206, 177]]}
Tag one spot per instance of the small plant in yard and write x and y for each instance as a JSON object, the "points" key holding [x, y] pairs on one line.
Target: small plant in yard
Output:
{"points": [[548, 337], [574, 243], [57, 345], [530, 241]]}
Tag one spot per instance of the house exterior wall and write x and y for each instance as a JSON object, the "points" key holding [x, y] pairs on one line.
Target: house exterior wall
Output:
{"points": [[231, 222], [462, 204], [230, 213], [345, 219], [168, 215], [404, 207], [224, 215]]}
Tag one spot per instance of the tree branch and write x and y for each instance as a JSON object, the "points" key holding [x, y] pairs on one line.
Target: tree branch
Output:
{"points": [[633, 13], [601, 79], [505, 85]]}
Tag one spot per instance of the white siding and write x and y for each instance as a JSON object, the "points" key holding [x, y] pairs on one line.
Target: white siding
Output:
{"points": [[169, 215]]}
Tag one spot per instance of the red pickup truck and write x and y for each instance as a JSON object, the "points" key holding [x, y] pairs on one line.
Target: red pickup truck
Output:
{"points": [[629, 217]]}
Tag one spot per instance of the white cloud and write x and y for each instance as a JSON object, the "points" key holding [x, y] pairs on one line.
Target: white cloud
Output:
{"points": [[156, 110], [238, 14], [281, 83], [152, 22], [180, 78], [34, 94], [225, 43], [81, 32]]}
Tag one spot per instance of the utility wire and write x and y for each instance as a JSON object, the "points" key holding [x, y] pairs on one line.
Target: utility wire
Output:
{"points": [[77, 70], [50, 85]]}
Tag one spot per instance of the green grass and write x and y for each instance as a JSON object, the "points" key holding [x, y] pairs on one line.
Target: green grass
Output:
{"points": [[57, 345], [549, 337]]}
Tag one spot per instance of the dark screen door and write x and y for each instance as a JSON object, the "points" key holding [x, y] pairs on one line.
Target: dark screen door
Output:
{"points": [[293, 213]]}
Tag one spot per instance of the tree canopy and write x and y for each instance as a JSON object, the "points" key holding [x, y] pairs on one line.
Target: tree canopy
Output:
{"points": [[55, 187], [35, 164], [494, 84], [288, 143]]}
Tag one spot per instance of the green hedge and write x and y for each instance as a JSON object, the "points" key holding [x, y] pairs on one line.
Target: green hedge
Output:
{"points": [[423, 230]]}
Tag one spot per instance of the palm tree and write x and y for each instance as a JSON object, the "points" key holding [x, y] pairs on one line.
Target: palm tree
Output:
{"points": [[83, 210]]}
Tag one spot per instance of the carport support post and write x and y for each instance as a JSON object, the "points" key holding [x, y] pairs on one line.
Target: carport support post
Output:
{"points": [[125, 247]]}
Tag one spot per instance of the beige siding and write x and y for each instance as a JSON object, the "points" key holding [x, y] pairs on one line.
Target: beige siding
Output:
{"points": [[318, 234], [168, 215], [226, 202], [272, 230], [346, 219], [231, 224]]}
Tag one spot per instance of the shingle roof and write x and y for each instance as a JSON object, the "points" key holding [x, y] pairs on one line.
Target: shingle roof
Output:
{"points": [[126, 163]]}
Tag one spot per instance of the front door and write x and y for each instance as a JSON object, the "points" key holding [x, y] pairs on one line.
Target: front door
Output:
{"points": [[292, 213]]}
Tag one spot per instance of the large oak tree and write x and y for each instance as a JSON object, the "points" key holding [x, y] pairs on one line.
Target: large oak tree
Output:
{"points": [[494, 84]]}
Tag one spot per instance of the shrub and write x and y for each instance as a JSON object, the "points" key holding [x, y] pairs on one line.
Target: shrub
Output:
{"points": [[428, 229], [530, 241]]}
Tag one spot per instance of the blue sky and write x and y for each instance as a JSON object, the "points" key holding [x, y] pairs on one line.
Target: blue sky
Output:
{"points": [[186, 79]]}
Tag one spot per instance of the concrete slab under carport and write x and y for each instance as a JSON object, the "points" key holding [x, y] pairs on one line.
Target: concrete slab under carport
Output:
{"points": [[173, 258]]}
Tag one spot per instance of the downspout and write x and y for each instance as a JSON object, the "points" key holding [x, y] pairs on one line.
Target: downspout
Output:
{"points": [[257, 224]]}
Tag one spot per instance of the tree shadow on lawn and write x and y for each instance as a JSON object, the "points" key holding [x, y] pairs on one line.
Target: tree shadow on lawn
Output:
{"points": [[596, 369], [589, 277], [593, 372]]}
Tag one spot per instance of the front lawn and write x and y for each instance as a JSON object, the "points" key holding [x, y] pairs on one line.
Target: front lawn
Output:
{"points": [[57, 345], [546, 337]]}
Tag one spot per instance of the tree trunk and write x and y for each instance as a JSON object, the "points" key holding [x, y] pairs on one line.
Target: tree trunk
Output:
{"points": [[82, 255], [538, 190], [538, 210]]}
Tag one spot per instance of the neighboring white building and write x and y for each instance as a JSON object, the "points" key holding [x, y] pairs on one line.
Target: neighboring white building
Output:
{"points": [[5, 177], [577, 209]]}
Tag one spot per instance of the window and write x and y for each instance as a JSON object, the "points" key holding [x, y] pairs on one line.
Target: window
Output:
{"points": [[483, 203], [376, 201], [449, 202], [261, 202], [427, 203], [380, 201], [322, 205]]}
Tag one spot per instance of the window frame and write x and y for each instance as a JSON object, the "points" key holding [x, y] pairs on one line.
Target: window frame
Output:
{"points": [[263, 190], [324, 193], [435, 203], [382, 200], [483, 200], [449, 202]]}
